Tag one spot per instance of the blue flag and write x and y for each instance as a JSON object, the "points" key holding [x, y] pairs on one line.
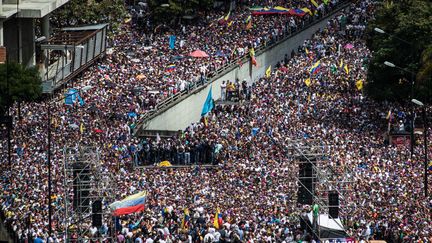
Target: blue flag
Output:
{"points": [[172, 40], [208, 104], [70, 96], [80, 100], [255, 131]]}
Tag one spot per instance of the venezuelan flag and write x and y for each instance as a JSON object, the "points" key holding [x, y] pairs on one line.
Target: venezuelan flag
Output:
{"points": [[170, 68], [315, 68], [217, 221], [306, 10], [130, 204], [185, 220], [297, 12]]}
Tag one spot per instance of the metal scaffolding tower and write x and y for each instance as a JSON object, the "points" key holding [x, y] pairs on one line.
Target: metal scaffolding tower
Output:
{"points": [[88, 192], [318, 176]]}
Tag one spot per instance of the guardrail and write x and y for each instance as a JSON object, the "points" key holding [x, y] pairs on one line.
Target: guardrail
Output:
{"points": [[232, 64]]}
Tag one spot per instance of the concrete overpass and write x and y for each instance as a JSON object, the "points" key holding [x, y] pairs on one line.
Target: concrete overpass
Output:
{"points": [[181, 110]]}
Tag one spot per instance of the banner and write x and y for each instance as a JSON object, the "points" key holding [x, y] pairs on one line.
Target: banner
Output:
{"points": [[208, 104], [172, 40]]}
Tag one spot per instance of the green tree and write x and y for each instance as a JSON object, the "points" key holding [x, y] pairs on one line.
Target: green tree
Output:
{"points": [[409, 20], [24, 84], [85, 12], [176, 9]]}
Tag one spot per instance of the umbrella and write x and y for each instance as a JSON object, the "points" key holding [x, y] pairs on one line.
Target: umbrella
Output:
{"points": [[140, 76], [165, 163], [220, 54], [97, 130], [198, 53], [349, 46]]}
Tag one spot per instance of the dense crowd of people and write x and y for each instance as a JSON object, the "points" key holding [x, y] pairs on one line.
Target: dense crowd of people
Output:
{"points": [[254, 186]]}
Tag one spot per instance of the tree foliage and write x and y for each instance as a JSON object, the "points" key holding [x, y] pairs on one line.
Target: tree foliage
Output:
{"points": [[24, 84], [85, 12], [409, 20], [176, 8]]}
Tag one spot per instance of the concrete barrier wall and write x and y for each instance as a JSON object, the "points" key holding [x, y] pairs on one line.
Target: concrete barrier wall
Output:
{"points": [[188, 111]]}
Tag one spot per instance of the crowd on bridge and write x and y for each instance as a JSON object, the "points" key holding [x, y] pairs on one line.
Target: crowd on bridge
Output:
{"points": [[254, 186]]}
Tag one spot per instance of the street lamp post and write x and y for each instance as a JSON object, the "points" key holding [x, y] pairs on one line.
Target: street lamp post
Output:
{"points": [[389, 64], [419, 103], [381, 31], [85, 88]]}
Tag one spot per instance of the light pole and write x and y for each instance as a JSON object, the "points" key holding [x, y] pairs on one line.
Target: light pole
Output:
{"points": [[381, 31], [85, 88], [419, 103], [389, 64]]}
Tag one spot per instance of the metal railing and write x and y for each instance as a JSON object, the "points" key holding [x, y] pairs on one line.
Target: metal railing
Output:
{"points": [[234, 63]]}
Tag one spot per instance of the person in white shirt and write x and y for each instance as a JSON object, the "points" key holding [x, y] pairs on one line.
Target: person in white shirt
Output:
{"points": [[223, 90]]}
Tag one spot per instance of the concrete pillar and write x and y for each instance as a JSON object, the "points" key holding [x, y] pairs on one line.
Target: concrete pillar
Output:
{"points": [[1, 31], [27, 42], [45, 26], [10, 38]]}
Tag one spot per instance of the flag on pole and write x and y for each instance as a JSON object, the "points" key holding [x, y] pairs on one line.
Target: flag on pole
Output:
{"points": [[252, 56], [228, 16], [268, 72], [170, 68], [314, 3], [249, 25], [217, 221], [208, 104], [306, 10], [333, 69], [172, 40], [82, 128], [359, 84], [315, 68], [346, 69], [72, 96], [185, 220], [389, 113]]}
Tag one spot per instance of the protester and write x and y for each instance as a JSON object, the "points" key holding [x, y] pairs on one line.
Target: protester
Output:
{"points": [[254, 183]]}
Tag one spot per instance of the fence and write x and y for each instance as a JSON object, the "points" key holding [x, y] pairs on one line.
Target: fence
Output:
{"points": [[200, 154]]}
